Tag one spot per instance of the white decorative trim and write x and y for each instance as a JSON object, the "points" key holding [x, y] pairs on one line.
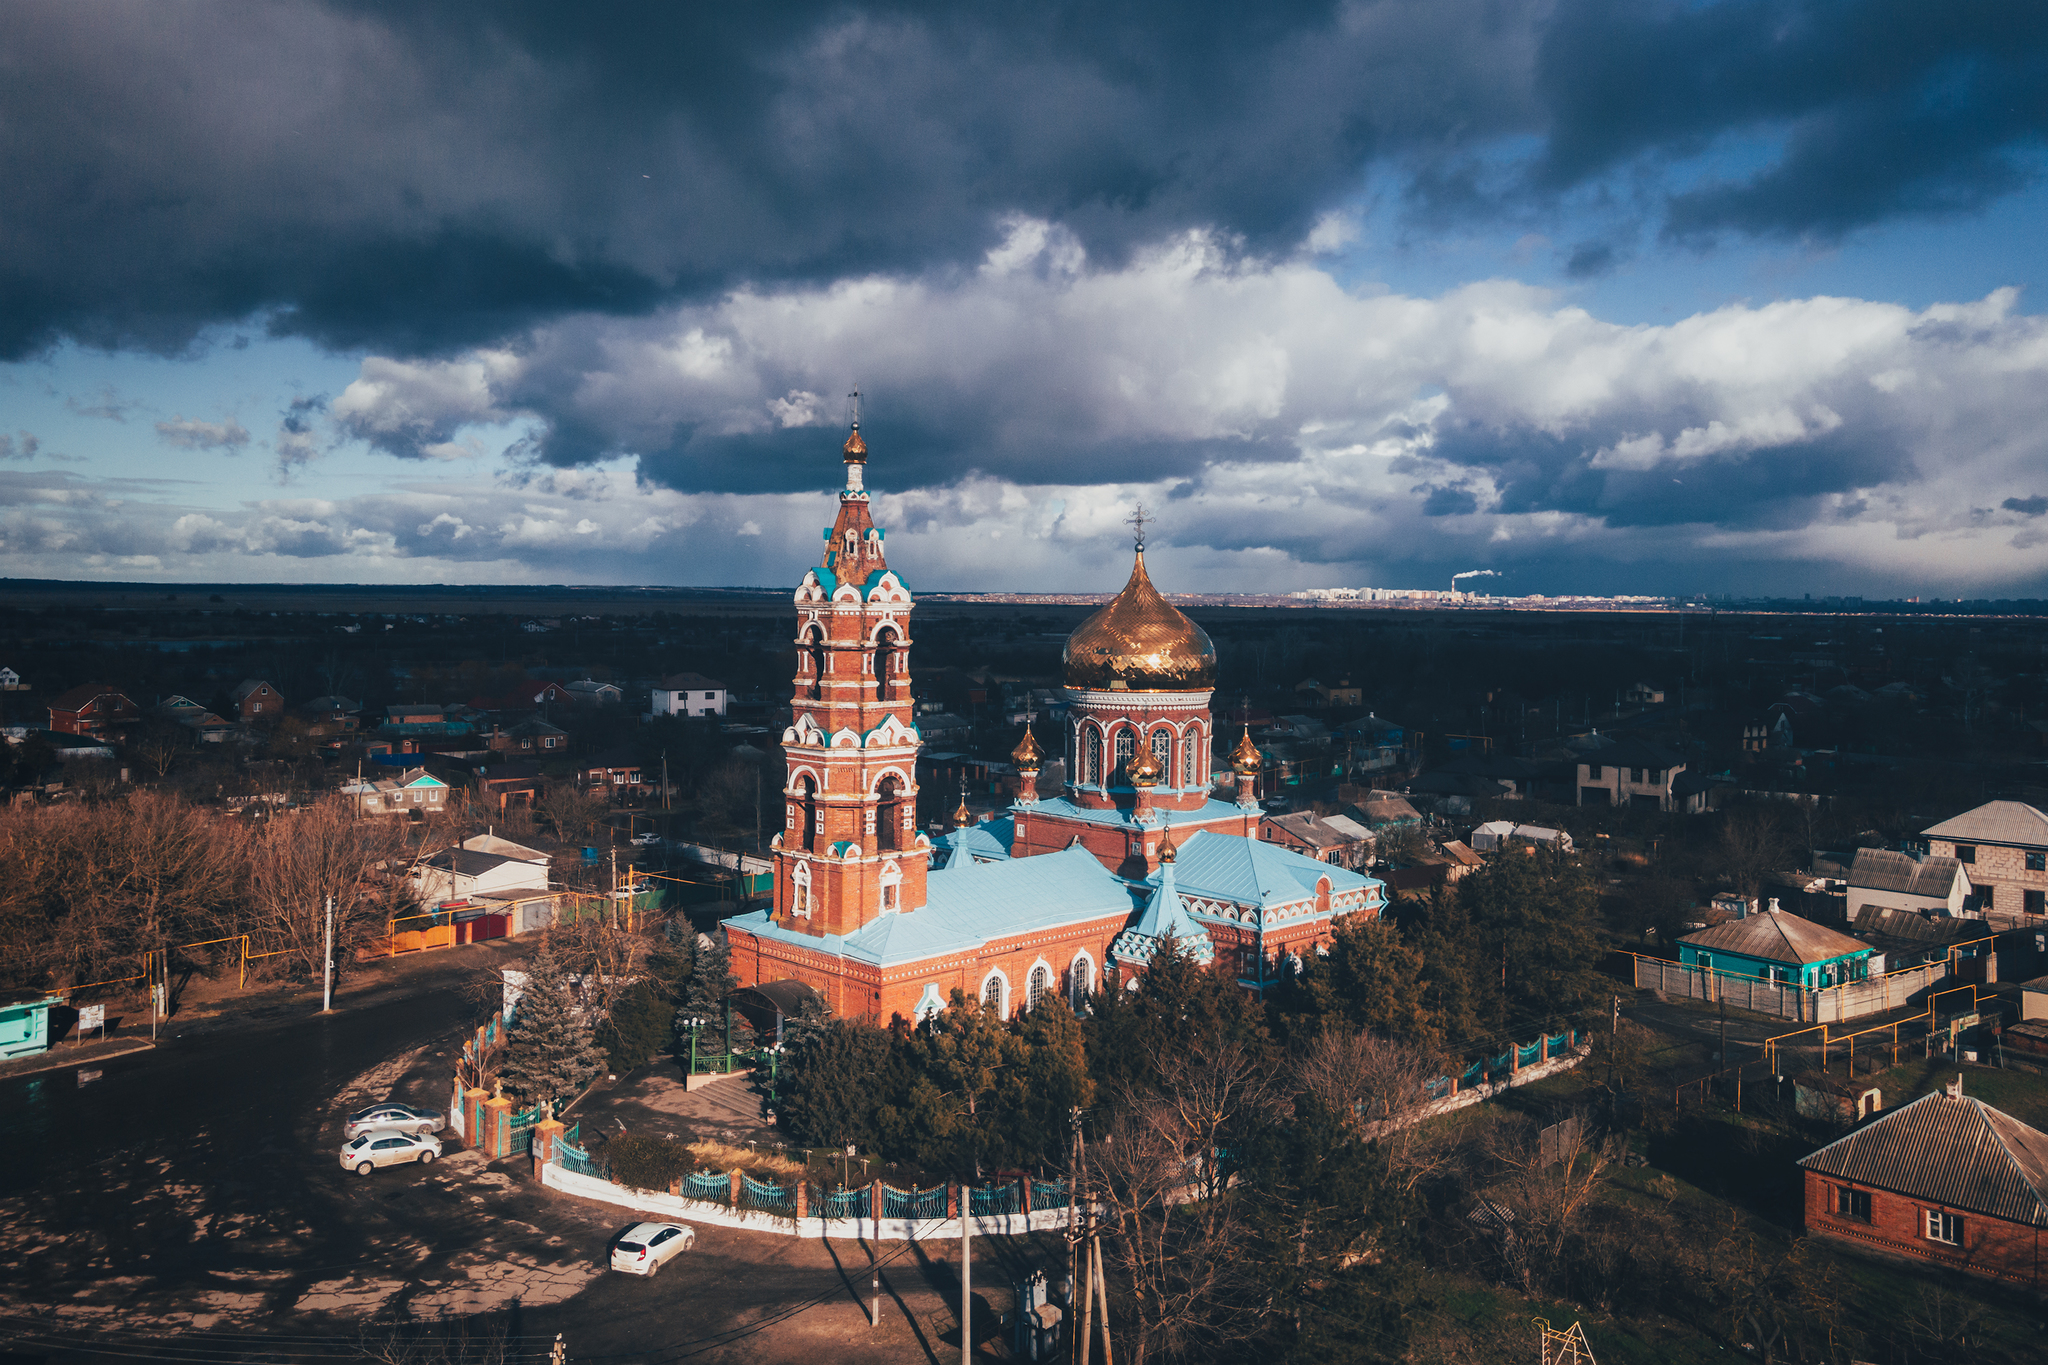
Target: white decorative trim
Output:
{"points": [[1052, 981], [846, 739], [1094, 974], [1138, 701], [927, 1004]]}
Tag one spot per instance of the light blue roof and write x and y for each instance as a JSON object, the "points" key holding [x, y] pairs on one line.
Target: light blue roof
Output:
{"points": [[985, 842], [1061, 808], [1230, 867], [968, 905], [1164, 918]]}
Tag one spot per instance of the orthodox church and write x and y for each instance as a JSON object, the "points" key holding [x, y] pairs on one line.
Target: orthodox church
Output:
{"points": [[1070, 892]]}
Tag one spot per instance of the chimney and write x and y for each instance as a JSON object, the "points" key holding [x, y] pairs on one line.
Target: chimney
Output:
{"points": [[1774, 905]]}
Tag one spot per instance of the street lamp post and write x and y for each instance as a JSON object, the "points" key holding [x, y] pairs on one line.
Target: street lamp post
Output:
{"points": [[693, 1024]]}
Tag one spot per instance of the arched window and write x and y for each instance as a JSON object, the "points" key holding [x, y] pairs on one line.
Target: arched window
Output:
{"points": [[1162, 754], [800, 891], [1080, 983], [992, 993], [1036, 987], [885, 665], [1126, 745], [808, 808], [816, 649], [892, 887], [888, 816], [1094, 775], [1190, 768], [853, 544]]}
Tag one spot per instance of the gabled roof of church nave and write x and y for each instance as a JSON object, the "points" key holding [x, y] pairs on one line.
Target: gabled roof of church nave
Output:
{"points": [[988, 841], [1230, 867], [970, 904], [1060, 808]]}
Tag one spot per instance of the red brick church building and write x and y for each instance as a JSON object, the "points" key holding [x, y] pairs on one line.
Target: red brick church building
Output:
{"points": [[1069, 892]]}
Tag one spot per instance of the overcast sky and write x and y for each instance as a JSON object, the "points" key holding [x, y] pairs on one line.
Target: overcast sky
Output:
{"points": [[1602, 295]]}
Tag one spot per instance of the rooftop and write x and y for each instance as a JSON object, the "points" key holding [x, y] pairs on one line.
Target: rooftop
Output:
{"points": [[1995, 822], [1880, 869], [1950, 1149], [1776, 936]]}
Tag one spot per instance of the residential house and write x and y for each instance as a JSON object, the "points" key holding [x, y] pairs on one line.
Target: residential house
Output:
{"points": [[10, 681], [94, 710], [1316, 837], [333, 715], [256, 699], [1931, 885], [1629, 774], [1464, 860], [689, 694], [590, 692], [416, 718], [1382, 808], [493, 867], [1495, 834], [1643, 694], [616, 773], [413, 790], [531, 736], [1345, 693], [204, 725], [1907, 938], [1946, 1181], [1778, 946], [505, 785], [2003, 847], [1373, 744]]}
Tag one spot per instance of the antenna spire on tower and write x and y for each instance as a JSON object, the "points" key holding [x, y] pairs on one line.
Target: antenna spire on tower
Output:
{"points": [[853, 406]]}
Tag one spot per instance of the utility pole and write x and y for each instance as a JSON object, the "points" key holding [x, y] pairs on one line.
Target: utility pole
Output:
{"points": [[327, 973], [966, 1278], [1615, 1027]]}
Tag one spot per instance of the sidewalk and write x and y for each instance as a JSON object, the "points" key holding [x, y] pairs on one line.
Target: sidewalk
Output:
{"points": [[70, 1054]]}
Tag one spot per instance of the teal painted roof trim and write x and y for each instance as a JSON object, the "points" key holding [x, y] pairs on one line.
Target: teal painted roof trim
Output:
{"points": [[1230, 867]]}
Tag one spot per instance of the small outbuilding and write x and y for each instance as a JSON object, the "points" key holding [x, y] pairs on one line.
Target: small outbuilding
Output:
{"points": [[1778, 946], [25, 1026]]}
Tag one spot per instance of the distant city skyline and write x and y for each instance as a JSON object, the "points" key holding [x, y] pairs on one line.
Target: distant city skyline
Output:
{"points": [[1620, 300]]}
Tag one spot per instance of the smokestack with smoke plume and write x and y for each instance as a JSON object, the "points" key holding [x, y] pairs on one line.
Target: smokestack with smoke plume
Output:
{"points": [[1472, 573]]}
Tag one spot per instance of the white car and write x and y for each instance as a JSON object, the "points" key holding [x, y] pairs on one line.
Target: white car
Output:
{"points": [[647, 1246], [394, 1118], [648, 840], [383, 1147]]}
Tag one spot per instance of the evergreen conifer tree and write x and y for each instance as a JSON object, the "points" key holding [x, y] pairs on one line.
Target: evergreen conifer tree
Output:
{"points": [[710, 986], [549, 1054]]}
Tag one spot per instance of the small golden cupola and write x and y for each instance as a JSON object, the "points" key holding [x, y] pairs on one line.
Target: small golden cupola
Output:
{"points": [[1140, 642], [1143, 770], [1027, 755], [1246, 757]]}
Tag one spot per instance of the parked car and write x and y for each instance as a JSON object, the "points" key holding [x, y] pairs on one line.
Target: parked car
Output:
{"points": [[394, 1118], [385, 1148], [648, 840], [646, 1247]]}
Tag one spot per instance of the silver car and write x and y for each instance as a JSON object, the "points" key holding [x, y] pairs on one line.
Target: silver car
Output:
{"points": [[394, 1118], [647, 1247], [382, 1147]]}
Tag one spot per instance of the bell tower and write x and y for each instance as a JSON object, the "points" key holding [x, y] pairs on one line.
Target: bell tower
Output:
{"points": [[850, 849]]}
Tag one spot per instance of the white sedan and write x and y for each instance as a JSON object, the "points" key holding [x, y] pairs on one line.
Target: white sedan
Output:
{"points": [[647, 1246], [385, 1148], [396, 1118]]}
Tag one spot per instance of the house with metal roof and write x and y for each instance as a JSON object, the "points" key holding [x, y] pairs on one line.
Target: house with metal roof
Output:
{"points": [[1778, 946], [1931, 885], [2003, 845], [1946, 1180]]}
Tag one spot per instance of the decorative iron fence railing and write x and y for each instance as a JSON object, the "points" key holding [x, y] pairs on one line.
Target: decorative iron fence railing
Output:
{"points": [[712, 1186], [852, 1203], [756, 1194], [929, 1203]]}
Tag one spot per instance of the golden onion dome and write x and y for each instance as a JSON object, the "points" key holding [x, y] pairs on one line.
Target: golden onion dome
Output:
{"points": [[1027, 753], [963, 818], [1168, 850], [1246, 757], [1140, 642], [1143, 770], [855, 450]]}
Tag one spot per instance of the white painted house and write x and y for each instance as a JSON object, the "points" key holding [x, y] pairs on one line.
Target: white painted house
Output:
{"points": [[689, 694]]}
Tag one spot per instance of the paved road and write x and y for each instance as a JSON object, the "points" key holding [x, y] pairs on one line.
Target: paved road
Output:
{"points": [[196, 1188]]}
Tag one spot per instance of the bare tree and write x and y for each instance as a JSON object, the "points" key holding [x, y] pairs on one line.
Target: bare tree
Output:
{"points": [[604, 953], [323, 850], [1381, 1087], [1547, 1190], [1753, 844], [573, 811]]}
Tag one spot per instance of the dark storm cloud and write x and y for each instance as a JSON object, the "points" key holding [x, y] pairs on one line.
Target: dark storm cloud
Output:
{"points": [[1886, 107], [2026, 507], [417, 177]]}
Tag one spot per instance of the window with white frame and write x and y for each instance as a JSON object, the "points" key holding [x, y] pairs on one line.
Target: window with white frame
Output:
{"points": [[1035, 989], [992, 994], [1943, 1226], [1080, 983], [800, 891]]}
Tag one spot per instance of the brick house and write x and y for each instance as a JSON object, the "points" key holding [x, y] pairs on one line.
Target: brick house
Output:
{"points": [[531, 736], [254, 699], [95, 710], [1945, 1181], [2003, 847]]}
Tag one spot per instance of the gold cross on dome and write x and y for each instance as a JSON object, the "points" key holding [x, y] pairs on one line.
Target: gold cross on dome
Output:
{"points": [[1136, 521]]}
